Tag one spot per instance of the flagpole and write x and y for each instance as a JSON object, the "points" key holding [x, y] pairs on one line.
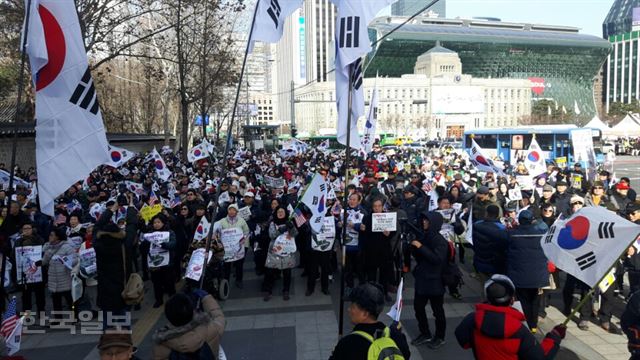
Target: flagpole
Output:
{"points": [[214, 211], [345, 199], [14, 144], [593, 289]]}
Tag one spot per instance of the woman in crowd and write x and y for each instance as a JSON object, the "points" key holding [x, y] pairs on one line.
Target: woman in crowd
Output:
{"points": [[60, 257], [278, 259]]}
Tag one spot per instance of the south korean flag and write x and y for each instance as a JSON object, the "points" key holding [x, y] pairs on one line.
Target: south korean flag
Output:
{"points": [[270, 16], [352, 43], [158, 163], [588, 243]]}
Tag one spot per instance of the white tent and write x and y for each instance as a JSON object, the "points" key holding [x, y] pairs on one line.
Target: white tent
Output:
{"points": [[629, 126], [596, 123]]}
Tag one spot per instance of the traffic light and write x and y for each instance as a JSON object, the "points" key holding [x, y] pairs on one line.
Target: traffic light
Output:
{"points": [[294, 131]]}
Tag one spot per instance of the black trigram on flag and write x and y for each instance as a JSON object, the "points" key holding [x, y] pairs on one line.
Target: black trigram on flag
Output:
{"points": [[274, 11], [356, 76], [605, 230], [350, 31], [549, 237], [586, 261], [87, 98], [473, 150]]}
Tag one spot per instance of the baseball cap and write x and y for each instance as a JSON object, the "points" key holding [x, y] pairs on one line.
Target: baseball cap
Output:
{"points": [[233, 206], [547, 187], [249, 194], [114, 339], [561, 183], [483, 190], [622, 186]]}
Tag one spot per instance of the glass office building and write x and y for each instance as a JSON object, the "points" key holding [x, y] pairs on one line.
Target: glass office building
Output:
{"points": [[619, 18], [622, 28], [560, 62], [410, 7]]}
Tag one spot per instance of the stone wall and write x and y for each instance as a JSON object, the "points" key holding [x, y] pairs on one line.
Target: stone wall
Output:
{"points": [[26, 150]]}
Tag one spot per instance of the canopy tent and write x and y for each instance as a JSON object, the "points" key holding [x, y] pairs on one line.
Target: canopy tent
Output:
{"points": [[629, 126], [596, 123]]}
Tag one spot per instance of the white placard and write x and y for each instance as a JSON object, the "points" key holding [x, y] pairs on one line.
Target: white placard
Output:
{"points": [[515, 194], [323, 241], [76, 242], [354, 217], [232, 239], [88, 262], [157, 256], [284, 245], [196, 263], [384, 222], [26, 268], [245, 213]]}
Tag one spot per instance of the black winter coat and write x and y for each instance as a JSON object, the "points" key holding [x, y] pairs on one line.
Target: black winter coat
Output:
{"points": [[490, 241], [108, 241], [431, 258], [526, 262]]}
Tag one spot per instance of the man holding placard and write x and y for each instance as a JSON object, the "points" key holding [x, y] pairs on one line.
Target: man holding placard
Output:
{"points": [[376, 231], [233, 232]]}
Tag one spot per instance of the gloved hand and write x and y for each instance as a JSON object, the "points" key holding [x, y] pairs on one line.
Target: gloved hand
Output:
{"points": [[560, 331], [200, 293]]}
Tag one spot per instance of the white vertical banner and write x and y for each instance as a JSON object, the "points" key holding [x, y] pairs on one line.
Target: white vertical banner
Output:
{"points": [[370, 124], [352, 43], [315, 198], [583, 152], [70, 135]]}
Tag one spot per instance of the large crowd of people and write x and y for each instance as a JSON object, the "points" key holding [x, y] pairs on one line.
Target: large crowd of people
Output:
{"points": [[128, 220]]}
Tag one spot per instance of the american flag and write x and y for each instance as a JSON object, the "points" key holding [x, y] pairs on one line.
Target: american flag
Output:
{"points": [[152, 198], [9, 319], [299, 218]]}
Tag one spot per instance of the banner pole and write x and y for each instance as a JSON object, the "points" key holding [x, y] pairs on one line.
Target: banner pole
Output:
{"points": [[14, 143], [214, 211], [345, 199]]}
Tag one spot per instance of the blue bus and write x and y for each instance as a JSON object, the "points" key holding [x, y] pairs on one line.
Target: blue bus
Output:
{"points": [[511, 144]]}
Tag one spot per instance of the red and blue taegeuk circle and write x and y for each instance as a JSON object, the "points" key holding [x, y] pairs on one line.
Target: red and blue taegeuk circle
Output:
{"points": [[197, 152], [159, 165], [574, 234], [116, 156], [482, 160], [533, 156]]}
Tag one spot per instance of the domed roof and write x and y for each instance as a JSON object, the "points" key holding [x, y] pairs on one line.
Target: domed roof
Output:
{"points": [[439, 49]]}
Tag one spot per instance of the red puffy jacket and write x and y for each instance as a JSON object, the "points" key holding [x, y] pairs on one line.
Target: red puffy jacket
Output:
{"points": [[498, 333]]}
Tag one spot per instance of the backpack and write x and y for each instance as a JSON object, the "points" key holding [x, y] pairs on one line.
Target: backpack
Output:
{"points": [[133, 291], [204, 353], [451, 274], [382, 346]]}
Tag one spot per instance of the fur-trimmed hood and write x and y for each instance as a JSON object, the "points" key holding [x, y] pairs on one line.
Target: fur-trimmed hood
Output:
{"points": [[114, 234], [186, 338]]}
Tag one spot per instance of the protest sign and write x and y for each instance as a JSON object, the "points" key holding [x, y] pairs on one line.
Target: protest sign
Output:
{"points": [[245, 213], [323, 240], [284, 245], [148, 212], [88, 262], [195, 266], [26, 269], [353, 217], [232, 241], [158, 256], [515, 194], [384, 222], [76, 241]]}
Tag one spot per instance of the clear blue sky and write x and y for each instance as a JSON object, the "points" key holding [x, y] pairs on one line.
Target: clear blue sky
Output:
{"points": [[585, 14]]}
